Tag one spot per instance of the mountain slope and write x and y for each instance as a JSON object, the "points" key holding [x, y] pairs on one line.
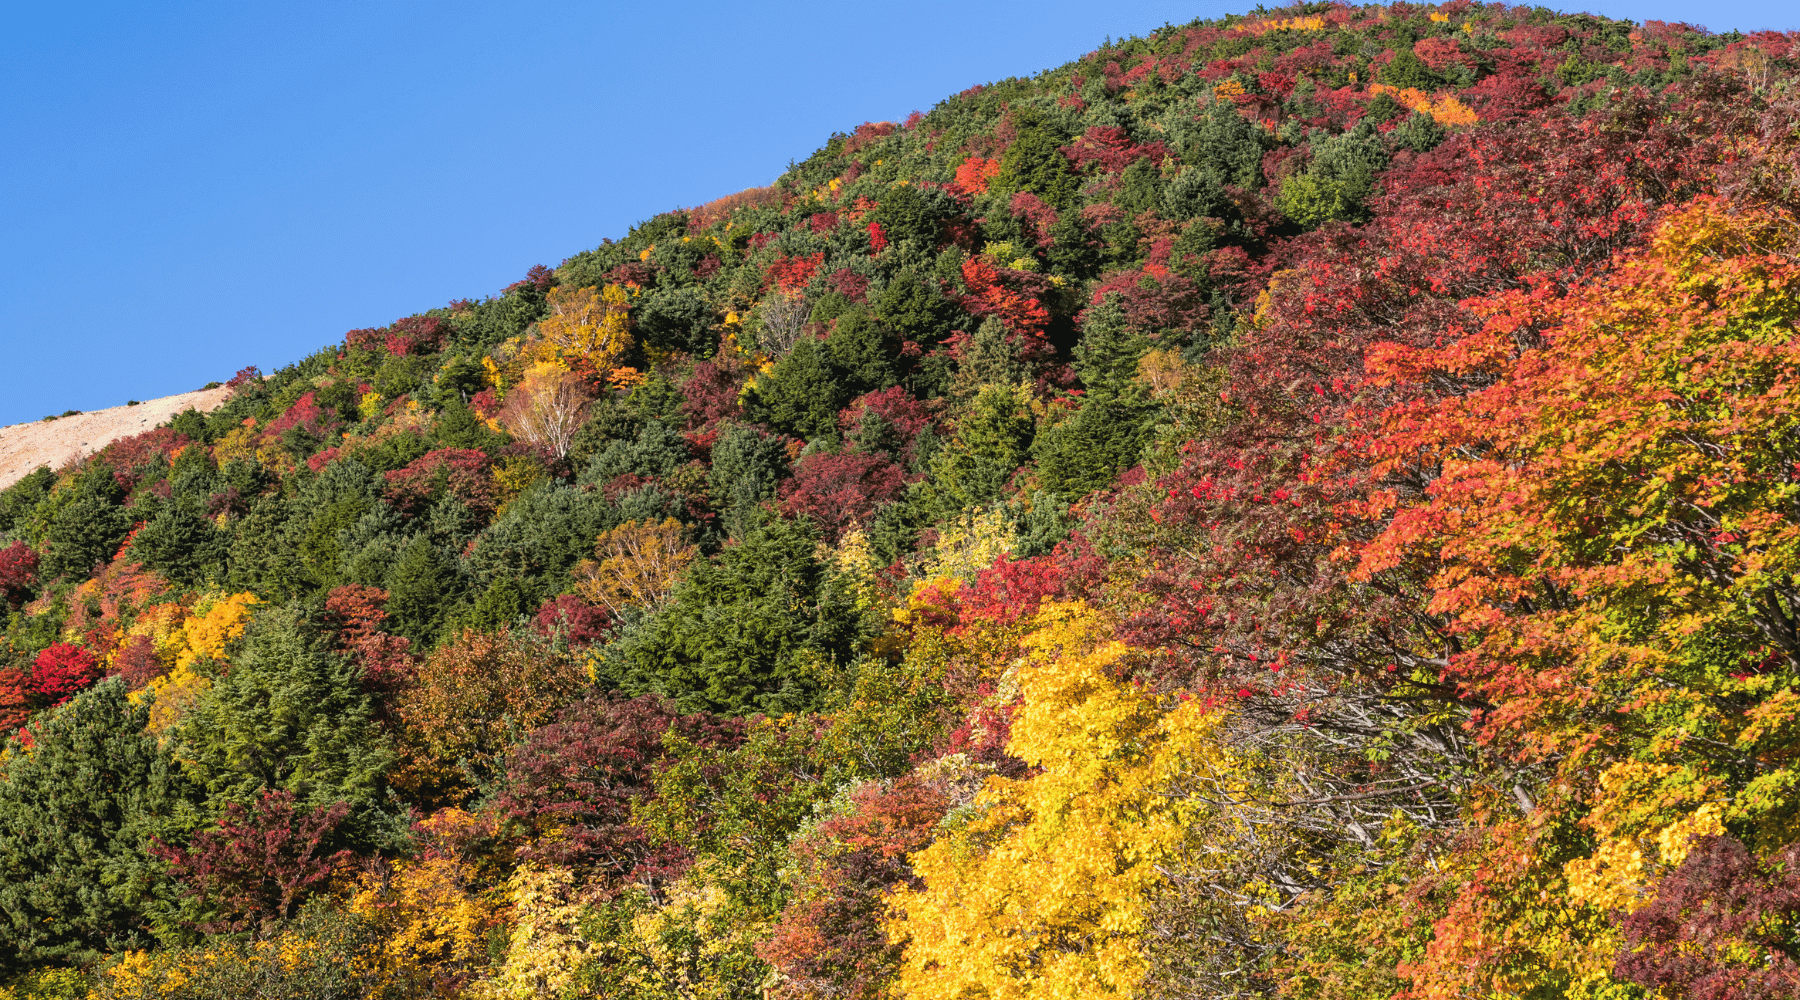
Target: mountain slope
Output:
{"points": [[1298, 504]]}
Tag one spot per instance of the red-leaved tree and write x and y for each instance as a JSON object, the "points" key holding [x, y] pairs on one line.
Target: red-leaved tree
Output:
{"points": [[258, 864]]}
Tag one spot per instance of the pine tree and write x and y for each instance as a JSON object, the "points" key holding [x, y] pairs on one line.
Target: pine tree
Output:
{"points": [[84, 530], [181, 543], [290, 714], [422, 584], [77, 813], [802, 395], [992, 439]]}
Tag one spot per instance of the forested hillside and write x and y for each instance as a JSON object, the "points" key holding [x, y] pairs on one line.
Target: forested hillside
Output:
{"points": [[1305, 505]]}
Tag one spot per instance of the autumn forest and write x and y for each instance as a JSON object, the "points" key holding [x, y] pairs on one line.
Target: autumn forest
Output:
{"points": [[1301, 505]]}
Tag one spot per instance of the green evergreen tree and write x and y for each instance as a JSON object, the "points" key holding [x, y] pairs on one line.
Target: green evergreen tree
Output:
{"points": [[181, 543], [1105, 436], [863, 354], [743, 632], [1230, 146], [802, 395], [1035, 162], [992, 439], [21, 498], [290, 714], [1337, 182], [84, 524], [421, 585], [77, 814], [542, 535]]}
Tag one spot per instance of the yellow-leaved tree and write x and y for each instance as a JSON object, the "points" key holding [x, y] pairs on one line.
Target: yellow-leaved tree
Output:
{"points": [[217, 621], [1042, 888], [585, 326]]}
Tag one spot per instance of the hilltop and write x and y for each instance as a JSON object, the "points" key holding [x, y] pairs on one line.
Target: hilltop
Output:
{"points": [[1298, 504], [53, 443]]}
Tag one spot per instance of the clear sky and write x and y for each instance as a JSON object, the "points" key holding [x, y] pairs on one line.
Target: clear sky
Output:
{"points": [[188, 188]]}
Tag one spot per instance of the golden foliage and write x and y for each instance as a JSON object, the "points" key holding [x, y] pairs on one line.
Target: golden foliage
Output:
{"points": [[1448, 112], [585, 325], [1042, 890], [217, 622]]}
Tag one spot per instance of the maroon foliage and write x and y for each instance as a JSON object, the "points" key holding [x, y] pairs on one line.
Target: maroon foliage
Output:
{"points": [[902, 418], [415, 335], [257, 866], [244, 376], [581, 775], [1037, 214], [1719, 928], [581, 622], [837, 491], [356, 614], [709, 395], [1112, 149], [850, 284], [136, 662], [141, 456], [460, 472], [830, 940], [539, 278], [1156, 302], [306, 414]]}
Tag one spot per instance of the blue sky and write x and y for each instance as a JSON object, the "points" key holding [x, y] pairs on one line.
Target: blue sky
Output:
{"points": [[188, 188]]}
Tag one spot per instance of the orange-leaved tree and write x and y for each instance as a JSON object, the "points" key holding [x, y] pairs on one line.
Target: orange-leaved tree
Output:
{"points": [[1610, 531]]}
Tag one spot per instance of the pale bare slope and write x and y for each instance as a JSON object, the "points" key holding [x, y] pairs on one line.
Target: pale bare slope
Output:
{"points": [[24, 447]]}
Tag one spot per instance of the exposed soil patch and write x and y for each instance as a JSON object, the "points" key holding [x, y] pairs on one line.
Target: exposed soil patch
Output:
{"points": [[24, 447]]}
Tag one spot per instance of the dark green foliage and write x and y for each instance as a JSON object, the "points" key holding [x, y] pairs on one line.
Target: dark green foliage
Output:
{"points": [[457, 381], [1035, 162], [1089, 449], [422, 584], [863, 353], [746, 466], [500, 605], [337, 498], [992, 439], [803, 394], [459, 427], [1229, 146], [743, 631], [291, 714], [77, 813], [610, 419], [541, 536], [1383, 109], [1420, 132], [21, 498], [1141, 188], [1408, 70], [84, 525], [261, 559], [656, 451], [677, 319], [1338, 180], [181, 543], [912, 306], [190, 423], [1039, 524], [907, 213]]}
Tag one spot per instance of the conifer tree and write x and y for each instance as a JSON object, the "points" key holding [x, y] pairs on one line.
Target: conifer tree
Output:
{"points": [[77, 814], [992, 439], [290, 714]]}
